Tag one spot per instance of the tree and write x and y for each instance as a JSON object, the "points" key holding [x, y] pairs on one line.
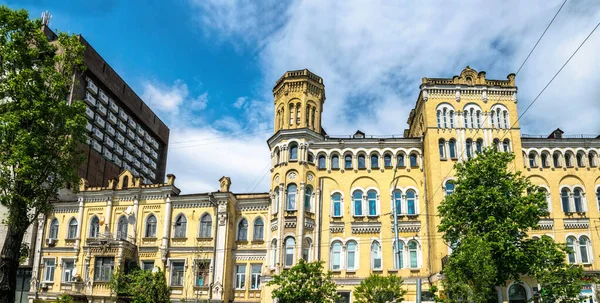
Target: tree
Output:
{"points": [[304, 283], [486, 220], [140, 286], [39, 129], [65, 299], [380, 289]]}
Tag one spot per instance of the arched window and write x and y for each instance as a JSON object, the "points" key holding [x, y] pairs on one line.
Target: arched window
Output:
{"points": [[584, 249], [372, 200], [439, 118], [445, 119], [400, 160], [452, 148], [307, 250], [180, 226], [469, 148], [545, 162], [291, 114], [498, 118], [374, 161], [598, 196], [72, 233], [151, 226], [398, 201], [205, 226], [335, 162], [291, 197], [496, 144], [357, 198], [298, 112], [568, 159], [472, 116], [376, 256], [122, 228], [311, 158], [571, 246], [275, 204], [290, 247], [506, 119], [466, 118], [94, 227], [361, 162], [412, 253], [321, 162], [259, 227], [274, 254], [442, 148], [348, 162], [478, 119], [277, 158], [387, 160], [592, 159], [556, 159], [479, 145], [564, 198], [578, 199], [337, 204], [451, 114], [307, 197], [413, 160], [351, 255], [532, 162], [53, 229], [293, 152], [517, 294], [242, 230], [336, 255], [449, 187], [580, 161], [547, 195], [506, 144], [410, 202], [493, 119], [398, 256]]}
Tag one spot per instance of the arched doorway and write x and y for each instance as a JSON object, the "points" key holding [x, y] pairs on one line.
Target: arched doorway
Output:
{"points": [[517, 294]]}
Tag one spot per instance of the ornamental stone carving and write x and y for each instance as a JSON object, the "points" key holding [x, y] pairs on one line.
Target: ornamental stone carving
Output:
{"points": [[292, 175]]}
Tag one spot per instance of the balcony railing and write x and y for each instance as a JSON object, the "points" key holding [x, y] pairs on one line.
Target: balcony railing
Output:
{"points": [[111, 237]]}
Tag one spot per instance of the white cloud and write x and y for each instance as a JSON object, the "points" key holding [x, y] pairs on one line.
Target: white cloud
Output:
{"points": [[240, 102], [169, 101], [373, 56]]}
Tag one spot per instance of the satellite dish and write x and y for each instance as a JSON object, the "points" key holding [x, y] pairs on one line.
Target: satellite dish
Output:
{"points": [[131, 219], [102, 220], [74, 272], [128, 210]]}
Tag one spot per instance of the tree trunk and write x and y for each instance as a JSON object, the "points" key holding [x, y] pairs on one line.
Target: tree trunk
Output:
{"points": [[9, 263]]}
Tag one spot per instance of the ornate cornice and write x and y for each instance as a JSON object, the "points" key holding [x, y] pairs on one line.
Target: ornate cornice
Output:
{"points": [[582, 223], [366, 227], [407, 226]]}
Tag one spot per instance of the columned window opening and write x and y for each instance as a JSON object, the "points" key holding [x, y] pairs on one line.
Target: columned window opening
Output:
{"points": [[452, 148], [442, 148], [307, 250], [469, 148], [387, 160], [571, 246], [321, 162], [290, 248], [479, 145], [357, 198], [374, 161], [291, 197], [413, 253], [372, 202], [351, 255], [274, 254], [506, 144], [361, 162], [398, 250], [493, 119], [72, 232], [410, 202], [585, 249], [293, 152], [336, 256], [532, 160], [348, 161], [451, 119], [578, 200], [439, 119], [95, 227], [556, 159], [478, 119], [413, 160], [335, 162], [466, 118], [564, 198], [398, 201], [122, 228], [580, 160], [400, 160], [307, 198], [545, 162]]}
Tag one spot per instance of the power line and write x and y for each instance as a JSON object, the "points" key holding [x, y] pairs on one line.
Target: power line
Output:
{"points": [[538, 41]]}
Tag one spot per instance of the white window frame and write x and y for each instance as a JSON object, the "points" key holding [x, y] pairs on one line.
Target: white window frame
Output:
{"points": [[255, 277], [341, 204], [49, 278], [346, 252], [171, 261], [373, 256], [239, 279], [64, 272], [341, 253]]}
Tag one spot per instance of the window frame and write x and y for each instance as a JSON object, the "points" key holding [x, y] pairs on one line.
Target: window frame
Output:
{"points": [[376, 256], [53, 231], [242, 226], [205, 226], [256, 227], [151, 227], [292, 198], [293, 156], [94, 231], [180, 226], [72, 234], [356, 203], [354, 257], [335, 161], [290, 252], [255, 276], [172, 272], [341, 206], [321, 162], [65, 270], [333, 253], [49, 276], [100, 270]]}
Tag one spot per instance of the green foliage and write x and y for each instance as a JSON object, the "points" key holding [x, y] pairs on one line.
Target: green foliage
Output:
{"points": [[380, 289], [65, 299], [304, 283], [486, 219], [23, 253], [39, 130], [140, 286]]}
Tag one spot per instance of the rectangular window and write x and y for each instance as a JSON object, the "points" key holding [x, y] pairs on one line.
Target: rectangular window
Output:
{"points": [[351, 258], [336, 260], [372, 207], [240, 277], [358, 207], [202, 268], [50, 265], [255, 278], [337, 209], [68, 266], [103, 269], [177, 273], [147, 265]]}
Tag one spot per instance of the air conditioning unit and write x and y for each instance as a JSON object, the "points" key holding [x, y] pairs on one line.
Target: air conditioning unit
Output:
{"points": [[51, 242]]}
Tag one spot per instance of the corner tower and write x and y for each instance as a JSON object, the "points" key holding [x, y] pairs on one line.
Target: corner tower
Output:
{"points": [[299, 96]]}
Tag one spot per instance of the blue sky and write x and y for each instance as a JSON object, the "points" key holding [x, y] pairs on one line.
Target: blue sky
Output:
{"points": [[207, 66]]}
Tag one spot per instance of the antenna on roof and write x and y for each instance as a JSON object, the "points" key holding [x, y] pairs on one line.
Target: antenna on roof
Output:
{"points": [[46, 18]]}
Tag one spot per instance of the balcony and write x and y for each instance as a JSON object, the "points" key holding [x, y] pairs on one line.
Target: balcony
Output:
{"points": [[99, 246], [123, 116], [89, 112], [152, 175], [89, 99], [154, 154], [110, 130], [147, 137], [128, 157], [108, 142], [97, 146], [91, 86], [130, 134], [99, 121], [98, 134], [136, 163], [89, 126], [137, 152], [152, 164], [102, 97], [139, 141], [118, 150], [113, 106], [107, 154], [126, 166], [129, 145], [135, 172], [131, 123], [154, 143], [112, 119], [145, 159], [122, 127], [140, 131], [145, 169], [120, 138], [117, 161], [147, 148]]}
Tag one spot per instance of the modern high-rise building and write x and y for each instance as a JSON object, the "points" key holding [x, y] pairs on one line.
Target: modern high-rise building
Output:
{"points": [[363, 204], [124, 134]]}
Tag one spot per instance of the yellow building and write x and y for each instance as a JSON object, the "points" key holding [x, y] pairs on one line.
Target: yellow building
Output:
{"points": [[331, 199]]}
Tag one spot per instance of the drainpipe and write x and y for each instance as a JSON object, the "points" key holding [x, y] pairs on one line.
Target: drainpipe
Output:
{"points": [[319, 230], [211, 199], [427, 215]]}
